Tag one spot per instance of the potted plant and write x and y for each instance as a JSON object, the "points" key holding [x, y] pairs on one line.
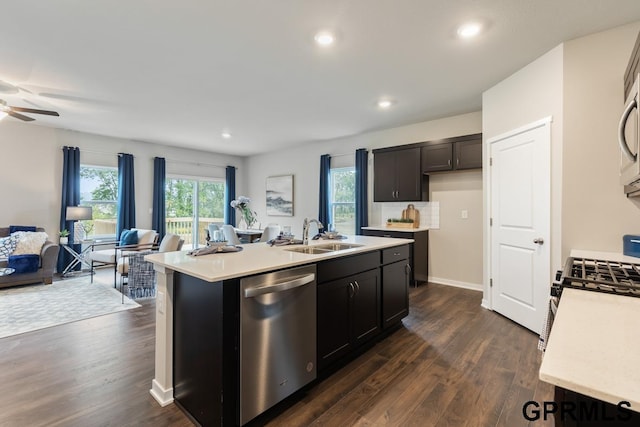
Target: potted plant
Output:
{"points": [[64, 237]]}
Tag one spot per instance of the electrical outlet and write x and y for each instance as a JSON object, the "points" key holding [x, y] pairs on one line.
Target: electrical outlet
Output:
{"points": [[160, 301], [464, 214]]}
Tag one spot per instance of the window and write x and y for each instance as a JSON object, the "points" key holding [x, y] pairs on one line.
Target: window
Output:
{"points": [[99, 189], [191, 205], [342, 199]]}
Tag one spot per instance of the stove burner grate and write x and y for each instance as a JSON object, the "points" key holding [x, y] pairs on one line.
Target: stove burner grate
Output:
{"points": [[599, 275]]}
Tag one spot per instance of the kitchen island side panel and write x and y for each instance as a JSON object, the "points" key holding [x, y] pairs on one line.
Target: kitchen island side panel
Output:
{"points": [[204, 352]]}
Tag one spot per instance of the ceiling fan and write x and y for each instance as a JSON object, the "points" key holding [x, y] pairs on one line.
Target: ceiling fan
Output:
{"points": [[15, 112]]}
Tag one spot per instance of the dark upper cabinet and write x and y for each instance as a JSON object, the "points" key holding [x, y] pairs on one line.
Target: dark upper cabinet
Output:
{"points": [[459, 153], [437, 157], [397, 175]]}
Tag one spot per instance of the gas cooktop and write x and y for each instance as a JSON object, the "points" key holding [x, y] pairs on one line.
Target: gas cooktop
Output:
{"points": [[599, 275]]}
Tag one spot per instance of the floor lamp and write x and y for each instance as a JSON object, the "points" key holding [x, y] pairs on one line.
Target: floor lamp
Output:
{"points": [[79, 213]]}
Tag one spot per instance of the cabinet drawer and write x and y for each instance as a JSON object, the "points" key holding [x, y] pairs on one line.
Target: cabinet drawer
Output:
{"points": [[346, 266], [395, 254]]}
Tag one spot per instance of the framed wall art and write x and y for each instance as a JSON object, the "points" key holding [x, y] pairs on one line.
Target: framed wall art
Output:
{"points": [[280, 195]]}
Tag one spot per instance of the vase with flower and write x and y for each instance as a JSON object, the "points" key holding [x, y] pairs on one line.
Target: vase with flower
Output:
{"points": [[247, 216]]}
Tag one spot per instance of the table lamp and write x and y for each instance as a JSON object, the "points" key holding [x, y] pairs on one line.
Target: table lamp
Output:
{"points": [[79, 213]]}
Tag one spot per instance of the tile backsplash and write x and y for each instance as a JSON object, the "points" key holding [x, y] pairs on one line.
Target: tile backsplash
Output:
{"points": [[429, 212]]}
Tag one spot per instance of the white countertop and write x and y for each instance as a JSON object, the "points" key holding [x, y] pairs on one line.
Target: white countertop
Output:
{"points": [[594, 346], [402, 230], [259, 258]]}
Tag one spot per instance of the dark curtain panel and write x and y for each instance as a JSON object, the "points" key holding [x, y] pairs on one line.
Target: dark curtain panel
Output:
{"points": [[323, 203], [159, 180], [362, 208], [70, 197], [229, 195], [126, 194]]}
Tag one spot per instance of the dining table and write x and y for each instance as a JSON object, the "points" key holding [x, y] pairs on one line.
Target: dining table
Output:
{"points": [[250, 234]]}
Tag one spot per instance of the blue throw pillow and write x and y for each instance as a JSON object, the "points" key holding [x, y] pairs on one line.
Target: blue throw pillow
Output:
{"points": [[14, 228], [27, 263], [128, 237]]}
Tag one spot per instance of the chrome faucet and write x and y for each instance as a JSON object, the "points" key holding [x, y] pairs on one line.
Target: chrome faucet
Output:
{"points": [[305, 229]]}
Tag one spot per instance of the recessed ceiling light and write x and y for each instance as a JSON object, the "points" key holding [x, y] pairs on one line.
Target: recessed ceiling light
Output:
{"points": [[325, 38], [226, 135], [385, 103], [469, 30]]}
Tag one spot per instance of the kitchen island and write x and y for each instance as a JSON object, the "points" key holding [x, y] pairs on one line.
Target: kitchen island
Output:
{"points": [[197, 313]]}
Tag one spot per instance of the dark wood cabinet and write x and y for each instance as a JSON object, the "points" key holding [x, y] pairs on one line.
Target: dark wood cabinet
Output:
{"points": [[418, 250], [397, 176], [459, 153], [348, 314], [395, 286], [468, 154], [437, 157]]}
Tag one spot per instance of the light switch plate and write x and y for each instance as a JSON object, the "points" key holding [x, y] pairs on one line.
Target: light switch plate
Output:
{"points": [[464, 214]]}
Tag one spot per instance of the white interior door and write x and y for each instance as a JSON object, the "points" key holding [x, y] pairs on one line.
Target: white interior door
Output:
{"points": [[520, 231]]}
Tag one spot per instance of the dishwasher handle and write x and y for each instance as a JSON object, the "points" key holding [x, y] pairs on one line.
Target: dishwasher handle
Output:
{"points": [[279, 287]]}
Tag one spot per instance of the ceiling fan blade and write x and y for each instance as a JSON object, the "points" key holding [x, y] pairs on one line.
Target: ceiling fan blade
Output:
{"points": [[35, 111], [20, 116]]}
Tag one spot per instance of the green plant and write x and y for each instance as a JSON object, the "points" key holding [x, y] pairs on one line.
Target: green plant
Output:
{"points": [[405, 220], [64, 233]]}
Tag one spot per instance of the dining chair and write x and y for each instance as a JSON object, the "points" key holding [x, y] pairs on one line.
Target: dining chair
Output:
{"points": [[230, 234], [270, 232], [212, 228]]}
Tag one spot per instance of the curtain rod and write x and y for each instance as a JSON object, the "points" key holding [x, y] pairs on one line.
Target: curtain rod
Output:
{"points": [[167, 160], [197, 164]]}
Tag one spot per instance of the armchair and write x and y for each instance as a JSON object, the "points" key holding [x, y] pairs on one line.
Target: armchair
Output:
{"points": [[147, 239], [139, 273]]}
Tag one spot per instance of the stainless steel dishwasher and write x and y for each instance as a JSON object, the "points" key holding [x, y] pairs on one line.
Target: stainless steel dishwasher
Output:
{"points": [[277, 337]]}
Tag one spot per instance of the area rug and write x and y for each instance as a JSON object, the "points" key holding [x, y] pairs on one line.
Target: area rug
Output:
{"points": [[28, 308]]}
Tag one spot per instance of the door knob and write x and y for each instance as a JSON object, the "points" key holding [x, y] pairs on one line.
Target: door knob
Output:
{"points": [[538, 241]]}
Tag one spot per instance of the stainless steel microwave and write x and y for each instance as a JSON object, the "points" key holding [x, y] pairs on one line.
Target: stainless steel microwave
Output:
{"points": [[629, 140]]}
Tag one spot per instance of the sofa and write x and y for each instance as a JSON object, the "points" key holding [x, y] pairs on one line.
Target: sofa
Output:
{"points": [[47, 264]]}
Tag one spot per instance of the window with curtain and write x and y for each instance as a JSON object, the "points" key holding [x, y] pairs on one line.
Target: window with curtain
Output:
{"points": [[99, 189], [342, 199]]}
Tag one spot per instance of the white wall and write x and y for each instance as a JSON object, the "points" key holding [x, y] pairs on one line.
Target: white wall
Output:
{"points": [[579, 84], [452, 190], [530, 94], [595, 212], [32, 170]]}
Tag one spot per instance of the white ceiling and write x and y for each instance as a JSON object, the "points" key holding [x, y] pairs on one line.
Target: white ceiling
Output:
{"points": [[179, 73]]}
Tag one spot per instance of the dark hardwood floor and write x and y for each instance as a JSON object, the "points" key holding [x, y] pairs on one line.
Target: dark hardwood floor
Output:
{"points": [[452, 364]]}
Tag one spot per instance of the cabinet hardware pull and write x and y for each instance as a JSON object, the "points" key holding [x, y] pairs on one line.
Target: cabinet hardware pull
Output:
{"points": [[457, 161], [358, 286], [449, 162], [386, 235], [353, 290], [396, 254]]}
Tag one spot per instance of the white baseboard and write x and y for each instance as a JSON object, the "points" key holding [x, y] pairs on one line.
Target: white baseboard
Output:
{"points": [[457, 284], [162, 396], [485, 304]]}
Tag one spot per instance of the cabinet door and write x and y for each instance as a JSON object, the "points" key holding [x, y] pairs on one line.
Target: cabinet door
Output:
{"points": [[384, 176], [468, 154], [395, 293], [334, 335], [408, 175], [437, 157], [365, 303]]}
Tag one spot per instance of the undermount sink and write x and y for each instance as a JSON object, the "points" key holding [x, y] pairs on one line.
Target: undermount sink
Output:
{"points": [[338, 246], [323, 249], [308, 250]]}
